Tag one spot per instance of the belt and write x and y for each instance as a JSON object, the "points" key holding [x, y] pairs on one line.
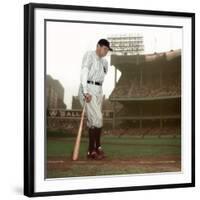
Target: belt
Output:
{"points": [[93, 82]]}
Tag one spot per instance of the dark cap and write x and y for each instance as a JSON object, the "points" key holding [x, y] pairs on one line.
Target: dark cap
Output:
{"points": [[105, 43]]}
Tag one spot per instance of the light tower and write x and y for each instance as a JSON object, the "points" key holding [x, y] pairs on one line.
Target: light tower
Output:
{"points": [[127, 44]]}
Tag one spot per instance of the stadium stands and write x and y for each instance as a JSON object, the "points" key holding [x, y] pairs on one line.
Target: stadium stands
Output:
{"points": [[150, 91]]}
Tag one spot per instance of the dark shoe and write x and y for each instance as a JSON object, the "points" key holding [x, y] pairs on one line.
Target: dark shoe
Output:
{"points": [[96, 156], [92, 155], [100, 153]]}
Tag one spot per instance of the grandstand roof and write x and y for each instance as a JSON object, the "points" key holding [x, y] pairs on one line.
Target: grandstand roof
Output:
{"points": [[123, 62]]}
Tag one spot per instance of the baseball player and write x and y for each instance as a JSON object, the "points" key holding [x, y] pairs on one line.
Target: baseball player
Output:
{"points": [[93, 70]]}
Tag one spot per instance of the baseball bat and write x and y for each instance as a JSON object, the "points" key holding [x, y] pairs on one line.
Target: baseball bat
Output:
{"points": [[78, 138]]}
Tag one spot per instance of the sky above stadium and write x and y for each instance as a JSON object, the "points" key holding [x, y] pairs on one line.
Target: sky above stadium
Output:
{"points": [[67, 42]]}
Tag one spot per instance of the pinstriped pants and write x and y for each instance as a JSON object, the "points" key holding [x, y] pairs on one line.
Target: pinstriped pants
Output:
{"points": [[94, 107]]}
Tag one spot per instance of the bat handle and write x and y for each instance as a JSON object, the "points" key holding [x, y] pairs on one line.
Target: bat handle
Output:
{"points": [[84, 105]]}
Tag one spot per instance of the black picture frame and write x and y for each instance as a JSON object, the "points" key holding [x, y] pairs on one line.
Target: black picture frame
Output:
{"points": [[29, 97]]}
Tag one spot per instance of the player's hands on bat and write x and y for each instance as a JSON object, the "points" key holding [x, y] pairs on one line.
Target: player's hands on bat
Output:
{"points": [[88, 97]]}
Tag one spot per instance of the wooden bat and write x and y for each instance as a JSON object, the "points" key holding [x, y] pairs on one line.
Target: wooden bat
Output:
{"points": [[78, 138]]}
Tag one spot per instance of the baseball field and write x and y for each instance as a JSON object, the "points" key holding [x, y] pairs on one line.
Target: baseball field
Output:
{"points": [[125, 155]]}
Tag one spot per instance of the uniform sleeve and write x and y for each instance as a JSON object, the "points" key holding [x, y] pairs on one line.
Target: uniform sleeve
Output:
{"points": [[106, 66], [85, 68]]}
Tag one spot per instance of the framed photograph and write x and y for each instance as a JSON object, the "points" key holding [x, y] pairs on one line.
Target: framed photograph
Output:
{"points": [[109, 99]]}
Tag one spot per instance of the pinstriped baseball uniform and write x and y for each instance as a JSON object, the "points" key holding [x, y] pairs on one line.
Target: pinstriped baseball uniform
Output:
{"points": [[93, 68]]}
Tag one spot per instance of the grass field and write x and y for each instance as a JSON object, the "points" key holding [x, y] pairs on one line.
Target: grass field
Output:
{"points": [[125, 155]]}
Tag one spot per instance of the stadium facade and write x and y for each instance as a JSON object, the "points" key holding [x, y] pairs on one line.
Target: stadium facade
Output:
{"points": [[149, 90]]}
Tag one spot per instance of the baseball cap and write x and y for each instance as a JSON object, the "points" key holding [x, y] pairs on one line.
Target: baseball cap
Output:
{"points": [[105, 43]]}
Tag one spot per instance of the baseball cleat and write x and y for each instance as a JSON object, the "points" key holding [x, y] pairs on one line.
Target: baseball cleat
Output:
{"points": [[92, 155], [96, 156], [100, 153]]}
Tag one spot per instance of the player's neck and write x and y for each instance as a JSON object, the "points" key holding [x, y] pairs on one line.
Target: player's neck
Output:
{"points": [[97, 54]]}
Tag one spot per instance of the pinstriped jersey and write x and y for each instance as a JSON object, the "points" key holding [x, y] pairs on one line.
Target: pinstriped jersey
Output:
{"points": [[93, 68]]}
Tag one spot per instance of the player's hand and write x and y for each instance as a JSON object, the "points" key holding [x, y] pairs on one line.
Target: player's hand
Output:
{"points": [[88, 97]]}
